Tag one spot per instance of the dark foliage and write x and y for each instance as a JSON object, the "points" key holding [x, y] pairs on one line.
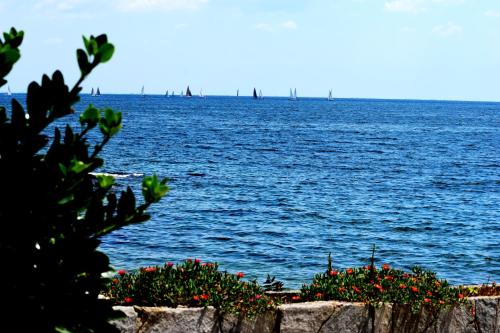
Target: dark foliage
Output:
{"points": [[53, 208]]}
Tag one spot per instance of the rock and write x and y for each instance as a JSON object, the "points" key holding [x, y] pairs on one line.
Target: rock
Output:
{"points": [[128, 323], [264, 323], [487, 313], [177, 320]]}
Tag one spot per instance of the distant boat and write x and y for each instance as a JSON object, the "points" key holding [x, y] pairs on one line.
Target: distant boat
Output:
{"points": [[92, 92], [260, 93], [182, 93], [201, 93], [172, 94], [142, 91], [98, 93], [254, 93], [293, 95], [166, 93], [8, 91], [237, 92], [188, 92], [330, 97]]}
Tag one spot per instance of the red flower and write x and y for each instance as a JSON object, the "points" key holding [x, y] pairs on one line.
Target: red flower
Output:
{"points": [[405, 275], [149, 269], [196, 298], [427, 300], [342, 289], [429, 293], [189, 260], [460, 296], [122, 272], [389, 278], [414, 289], [128, 300], [295, 298], [333, 273], [258, 296], [240, 275], [204, 297], [319, 295], [356, 289], [349, 271], [402, 286], [437, 283], [170, 264], [441, 301], [385, 267], [197, 261], [379, 287], [116, 281]]}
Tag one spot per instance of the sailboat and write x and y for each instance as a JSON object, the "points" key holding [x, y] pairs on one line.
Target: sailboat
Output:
{"points": [[92, 91], [201, 94], [142, 91], [330, 97], [172, 94], [8, 91], [188, 92], [237, 92], [182, 93], [166, 93], [98, 93], [254, 93], [260, 93], [293, 95]]}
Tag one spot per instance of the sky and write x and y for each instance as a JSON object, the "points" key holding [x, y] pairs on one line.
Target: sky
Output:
{"points": [[397, 49]]}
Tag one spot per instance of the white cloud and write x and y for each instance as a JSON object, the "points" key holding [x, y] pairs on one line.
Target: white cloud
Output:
{"points": [[131, 5], [447, 30], [59, 5], [409, 6], [492, 13], [289, 25], [263, 27]]}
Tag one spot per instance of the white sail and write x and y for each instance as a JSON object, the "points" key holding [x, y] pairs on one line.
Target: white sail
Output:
{"points": [[295, 93], [142, 91], [260, 93], [330, 97], [8, 91], [201, 93], [237, 92], [291, 93]]}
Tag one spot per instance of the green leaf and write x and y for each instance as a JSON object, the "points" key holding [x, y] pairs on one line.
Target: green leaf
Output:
{"points": [[152, 189], [105, 181], [83, 62], [111, 123], [78, 166], [106, 52], [90, 116]]}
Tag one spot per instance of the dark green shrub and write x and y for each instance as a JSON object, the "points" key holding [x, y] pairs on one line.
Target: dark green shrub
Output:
{"points": [[53, 209], [191, 283], [374, 285]]}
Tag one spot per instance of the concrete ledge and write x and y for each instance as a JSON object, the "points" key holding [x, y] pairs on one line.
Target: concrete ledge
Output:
{"points": [[480, 315]]}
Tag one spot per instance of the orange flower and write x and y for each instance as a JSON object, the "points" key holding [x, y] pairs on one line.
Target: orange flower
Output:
{"points": [[385, 267], [319, 295], [149, 269], [356, 289], [196, 298], [349, 271], [342, 289], [295, 298], [460, 296], [437, 283], [389, 278], [414, 289], [427, 300], [402, 286], [441, 301], [379, 287], [204, 297]]}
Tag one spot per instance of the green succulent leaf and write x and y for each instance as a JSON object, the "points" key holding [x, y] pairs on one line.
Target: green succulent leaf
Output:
{"points": [[153, 189], [105, 181], [90, 116]]}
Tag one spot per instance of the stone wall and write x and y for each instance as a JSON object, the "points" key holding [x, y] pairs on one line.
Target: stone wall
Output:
{"points": [[480, 315]]}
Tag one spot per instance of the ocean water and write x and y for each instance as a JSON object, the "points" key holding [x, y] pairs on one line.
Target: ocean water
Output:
{"points": [[273, 186]]}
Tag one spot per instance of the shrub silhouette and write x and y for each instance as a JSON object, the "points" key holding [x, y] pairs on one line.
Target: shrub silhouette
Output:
{"points": [[53, 209]]}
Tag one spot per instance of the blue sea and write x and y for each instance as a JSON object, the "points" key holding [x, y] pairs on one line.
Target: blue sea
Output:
{"points": [[272, 186]]}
